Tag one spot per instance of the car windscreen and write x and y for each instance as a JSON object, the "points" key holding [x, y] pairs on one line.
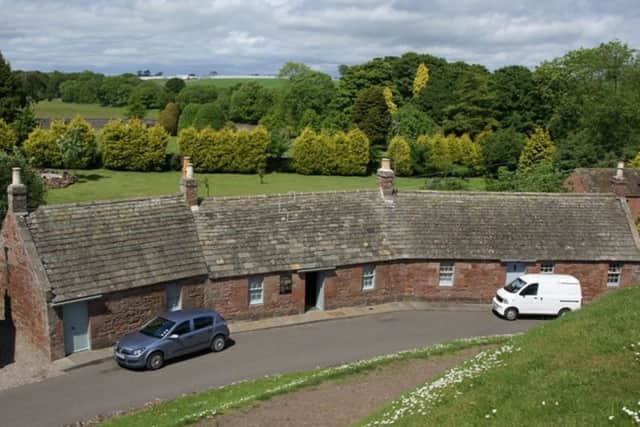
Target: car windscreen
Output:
{"points": [[515, 285], [158, 327]]}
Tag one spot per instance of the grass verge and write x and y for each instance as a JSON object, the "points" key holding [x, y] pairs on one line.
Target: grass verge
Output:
{"points": [[189, 409], [580, 370]]}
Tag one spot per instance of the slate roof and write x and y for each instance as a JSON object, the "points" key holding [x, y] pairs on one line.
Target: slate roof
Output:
{"points": [[598, 180], [260, 234], [89, 249]]}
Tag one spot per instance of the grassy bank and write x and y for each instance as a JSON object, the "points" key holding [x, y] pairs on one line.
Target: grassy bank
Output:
{"points": [[103, 184], [57, 109], [580, 370], [189, 409]]}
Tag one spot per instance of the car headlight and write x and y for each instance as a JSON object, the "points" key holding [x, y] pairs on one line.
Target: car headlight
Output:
{"points": [[138, 351]]}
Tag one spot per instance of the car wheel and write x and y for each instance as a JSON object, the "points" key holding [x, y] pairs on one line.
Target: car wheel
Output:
{"points": [[218, 344], [155, 361], [563, 312], [511, 314]]}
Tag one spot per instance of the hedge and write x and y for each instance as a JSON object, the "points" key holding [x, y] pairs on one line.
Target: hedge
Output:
{"points": [[225, 150], [324, 154], [399, 153], [63, 145], [132, 146]]}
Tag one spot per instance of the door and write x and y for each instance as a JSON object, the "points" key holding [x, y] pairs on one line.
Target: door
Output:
{"points": [[181, 340], [310, 291], [514, 270], [75, 318], [528, 300], [320, 291], [203, 331], [174, 302]]}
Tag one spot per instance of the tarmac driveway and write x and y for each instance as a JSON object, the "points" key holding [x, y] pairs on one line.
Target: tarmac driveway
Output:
{"points": [[104, 387]]}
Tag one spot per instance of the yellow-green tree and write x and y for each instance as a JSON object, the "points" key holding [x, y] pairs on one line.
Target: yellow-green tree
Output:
{"points": [[399, 153], [388, 98], [313, 154], [635, 163], [7, 137], [538, 150], [421, 79]]}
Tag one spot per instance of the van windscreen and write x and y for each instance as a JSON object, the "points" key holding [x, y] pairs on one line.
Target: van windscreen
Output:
{"points": [[515, 286]]}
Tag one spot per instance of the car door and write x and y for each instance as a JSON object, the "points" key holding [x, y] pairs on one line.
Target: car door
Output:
{"points": [[529, 302], [178, 341], [203, 331]]}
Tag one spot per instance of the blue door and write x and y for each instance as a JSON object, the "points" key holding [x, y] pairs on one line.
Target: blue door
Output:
{"points": [[76, 327], [514, 270]]}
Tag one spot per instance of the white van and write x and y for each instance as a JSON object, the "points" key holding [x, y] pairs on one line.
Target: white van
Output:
{"points": [[554, 294]]}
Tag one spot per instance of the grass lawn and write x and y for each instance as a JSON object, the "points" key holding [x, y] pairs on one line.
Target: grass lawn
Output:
{"points": [[580, 370], [60, 110], [103, 184], [189, 409]]}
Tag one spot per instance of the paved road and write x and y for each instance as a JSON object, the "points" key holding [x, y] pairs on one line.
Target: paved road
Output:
{"points": [[104, 387]]}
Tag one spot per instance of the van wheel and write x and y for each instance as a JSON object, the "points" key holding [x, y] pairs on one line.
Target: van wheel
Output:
{"points": [[218, 343], [563, 312], [155, 361], [511, 314]]}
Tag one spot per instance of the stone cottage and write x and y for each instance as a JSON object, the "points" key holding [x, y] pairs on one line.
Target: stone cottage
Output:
{"points": [[78, 276]]}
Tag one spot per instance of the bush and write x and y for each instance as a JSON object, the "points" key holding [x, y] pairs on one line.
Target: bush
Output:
{"points": [[351, 153], [445, 184], [168, 118], [77, 144], [225, 150], [175, 85], [209, 115], [187, 116], [502, 148], [7, 137], [399, 153], [149, 94], [250, 102], [540, 178], [131, 146], [199, 94], [30, 178], [42, 150], [324, 154]]}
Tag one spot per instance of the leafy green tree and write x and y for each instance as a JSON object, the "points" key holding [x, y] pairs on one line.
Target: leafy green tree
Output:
{"points": [[11, 96], [135, 110], [371, 115], [77, 144], [174, 85], [8, 138], [36, 189], [309, 119], [187, 116], [168, 118], [250, 102], [81, 87], [209, 115], [538, 149], [399, 153], [421, 80], [309, 90], [438, 155], [41, 148], [542, 178], [410, 122], [335, 121], [196, 94], [149, 94], [24, 123], [292, 69], [502, 148], [515, 98], [357, 78], [116, 90], [33, 84]]}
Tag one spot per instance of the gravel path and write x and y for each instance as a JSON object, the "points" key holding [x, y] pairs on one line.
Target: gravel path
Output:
{"points": [[344, 402]]}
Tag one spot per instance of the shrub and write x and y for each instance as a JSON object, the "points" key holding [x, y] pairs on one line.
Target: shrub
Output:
{"points": [[149, 94], [7, 137], [321, 153], [399, 153], [24, 123], [352, 158], [502, 148], [168, 118], [209, 115], [187, 116], [77, 144], [131, 146], [199, 94], [42, 150], [30, 178], [250, 102], [175, 85]]}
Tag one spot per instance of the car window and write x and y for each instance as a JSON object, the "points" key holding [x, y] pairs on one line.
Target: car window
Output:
{"points": [[182, 328], [157, 328], [202, 322], [530, 290]]}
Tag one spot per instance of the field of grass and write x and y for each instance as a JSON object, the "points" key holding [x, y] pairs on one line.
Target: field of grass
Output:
{"points": [[103, 184], [272, 83], [189, 409], [60, 110], [580, 370]]}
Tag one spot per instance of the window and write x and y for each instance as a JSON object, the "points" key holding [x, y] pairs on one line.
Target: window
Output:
{"points": [[446, 273], [368, 277], [173, 298], [255, 290], [182, 328], [285, 284], [546, 267], [202, 322], [530, 290], [613, 276]]}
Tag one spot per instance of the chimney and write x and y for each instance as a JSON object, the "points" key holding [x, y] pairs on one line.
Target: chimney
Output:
{"points": [[618, 182], [385, 180], [16, 194], [186, 160], [189, 185]]}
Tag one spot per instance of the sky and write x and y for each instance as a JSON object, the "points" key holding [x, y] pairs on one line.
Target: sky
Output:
{"points": [[236, 37]]}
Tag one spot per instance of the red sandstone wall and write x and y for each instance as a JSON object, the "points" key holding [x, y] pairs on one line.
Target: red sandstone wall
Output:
{"points": [[573, 183]]}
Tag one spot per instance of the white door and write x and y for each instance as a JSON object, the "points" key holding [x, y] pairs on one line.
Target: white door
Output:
{"points": [[174, 301], [320, 291], [75, 318], [528, 300]]}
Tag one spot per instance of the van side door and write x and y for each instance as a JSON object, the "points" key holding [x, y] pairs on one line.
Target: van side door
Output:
{"points": [[528, 300]]}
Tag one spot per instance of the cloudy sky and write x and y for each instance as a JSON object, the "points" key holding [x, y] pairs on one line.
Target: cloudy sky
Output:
{"points": [[258, 36]]}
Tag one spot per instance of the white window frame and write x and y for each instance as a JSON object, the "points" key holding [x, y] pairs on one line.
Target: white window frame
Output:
{"points": [[255, 290], [547, 268], [446, 273], [169, 303], [368, 277], [614, 272]]}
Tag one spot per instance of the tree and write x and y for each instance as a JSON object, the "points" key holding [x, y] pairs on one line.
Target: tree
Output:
{"points": [[388, 98], [309, 90], [174, 85], [250, 102], [292, 69], [149, 94], [33, 84], [135, 110], [168, 118], [41, 148], [351, 152], [209, 115], [11, 96], [515, 98], [200, 94], [30, 178], [410, 122], [502, 148], [399, 153], [187, 116], [313, 153], [371, 115], [133, 146], [24, 123], [7, 137], [116, 90], [77, 144], [421, 80], [538, 149], [540, 178]]}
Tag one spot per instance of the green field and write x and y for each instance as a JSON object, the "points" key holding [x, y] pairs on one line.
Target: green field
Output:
{"points": [[272, 83], [103, 184], [61, 110]]}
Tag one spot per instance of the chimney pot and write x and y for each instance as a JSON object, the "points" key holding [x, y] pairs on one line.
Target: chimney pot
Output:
{"points": [[190, 171], [16, 194], [385, 180], [15, 176], [620, 171], [385, 164]]}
